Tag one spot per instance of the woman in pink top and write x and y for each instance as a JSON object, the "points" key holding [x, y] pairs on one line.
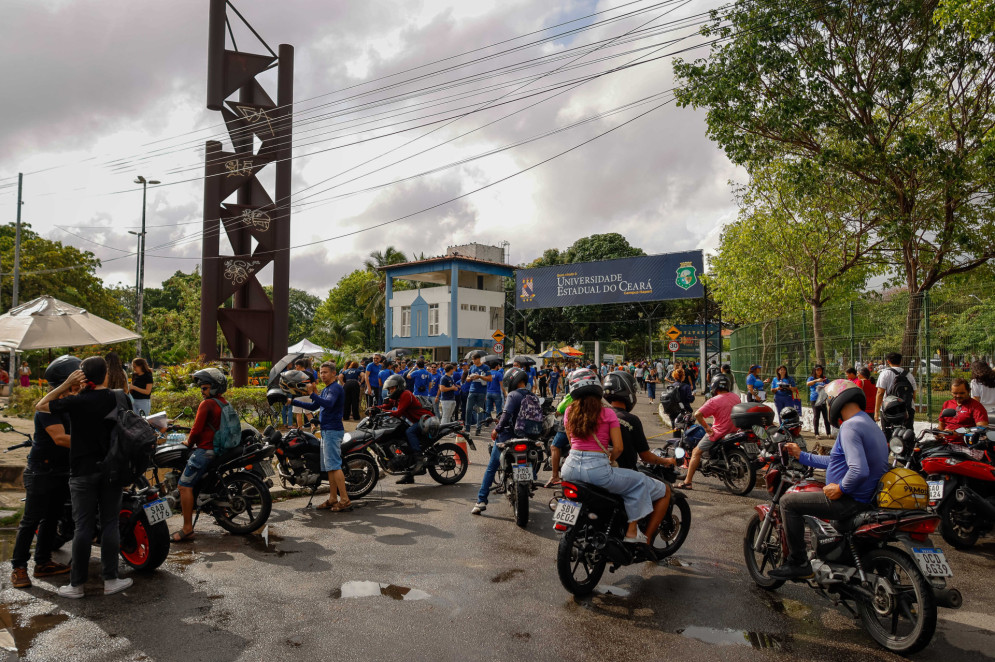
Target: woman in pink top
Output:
{"points": [[595, 440]]}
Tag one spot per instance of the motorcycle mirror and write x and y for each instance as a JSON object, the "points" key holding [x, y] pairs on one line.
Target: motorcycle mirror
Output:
{"points": [[186, 413], [6, 427], [679, 453], [961, 431], [949, 412], [990, 435], [896, 445]]}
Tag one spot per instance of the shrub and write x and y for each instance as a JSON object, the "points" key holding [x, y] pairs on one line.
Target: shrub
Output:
{"points": [[22, 401], [250, 403]]}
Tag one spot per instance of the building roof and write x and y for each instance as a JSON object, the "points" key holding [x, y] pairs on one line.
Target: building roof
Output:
{"points": [[446, 258]]}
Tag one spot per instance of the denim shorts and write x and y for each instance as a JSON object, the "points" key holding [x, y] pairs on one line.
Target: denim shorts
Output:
{"points": [[637, 490], [331, 449], [196, 466]]}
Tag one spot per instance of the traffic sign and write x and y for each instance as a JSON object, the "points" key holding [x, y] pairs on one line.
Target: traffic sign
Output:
{"points": [[498, 348], [673, 346], [498, 336], [673, 333]]}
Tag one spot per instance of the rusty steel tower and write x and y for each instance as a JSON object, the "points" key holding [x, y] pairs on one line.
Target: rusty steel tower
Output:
{"points": [[257, 225]]}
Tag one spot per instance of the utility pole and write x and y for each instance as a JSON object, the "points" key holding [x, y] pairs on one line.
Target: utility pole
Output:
{"points": [[141, 265], [17, 275]]}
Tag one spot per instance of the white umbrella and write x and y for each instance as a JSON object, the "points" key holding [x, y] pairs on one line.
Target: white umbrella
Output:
{"points": [[47, 322]]}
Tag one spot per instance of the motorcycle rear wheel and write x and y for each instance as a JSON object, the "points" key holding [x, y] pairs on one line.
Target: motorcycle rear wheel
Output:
{"points": [[521, 504], [361, 474], [740, 474], [883, 615], [958, 524], [572, 560], [450, 464], [673, 530], [145, 547], [251, 503], [758, 564]]}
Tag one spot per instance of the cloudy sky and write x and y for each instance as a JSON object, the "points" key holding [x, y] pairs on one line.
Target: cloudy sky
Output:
{"points": [[98, 92]]}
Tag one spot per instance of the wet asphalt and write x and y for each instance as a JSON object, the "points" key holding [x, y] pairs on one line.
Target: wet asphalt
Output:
{"points": [[411, 575]]}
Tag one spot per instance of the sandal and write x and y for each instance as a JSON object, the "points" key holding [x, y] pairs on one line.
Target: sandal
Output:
{"points": [[553, 483], [181, 536], [327, 505], [342, 506], [683, 486]]}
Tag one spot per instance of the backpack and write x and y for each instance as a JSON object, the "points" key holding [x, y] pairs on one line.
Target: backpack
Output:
{"points": [[132, 443], [902, 388], [229, 434], [427, 403], [529, 421]]}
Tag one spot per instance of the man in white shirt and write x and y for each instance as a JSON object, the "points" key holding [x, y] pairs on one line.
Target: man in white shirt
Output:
{"points": [[886, 380]]}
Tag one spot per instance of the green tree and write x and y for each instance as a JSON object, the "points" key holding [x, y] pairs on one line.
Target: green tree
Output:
{"points": [[342, 306], [976, 16], [873, 91], [373, 293], [172, 328], [64, 272]]}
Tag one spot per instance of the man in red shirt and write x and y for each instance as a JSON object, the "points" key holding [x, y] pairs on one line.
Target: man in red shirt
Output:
{"points": [[970, 412], [408, 408], [719, 409]]}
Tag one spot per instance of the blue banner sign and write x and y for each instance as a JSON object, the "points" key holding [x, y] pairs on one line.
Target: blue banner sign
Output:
{"points": [[626, 280]]}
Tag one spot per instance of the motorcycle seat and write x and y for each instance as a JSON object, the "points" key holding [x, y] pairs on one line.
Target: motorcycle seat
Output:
{"points": [[877, 515], [599, 492]]}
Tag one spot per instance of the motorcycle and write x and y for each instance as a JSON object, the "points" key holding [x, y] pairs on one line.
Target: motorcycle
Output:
{"points": [[520, 459], [879, 565], [383, 438], [593, 523], [144, 535], [231, 489], [735, 458], [298, 457]]}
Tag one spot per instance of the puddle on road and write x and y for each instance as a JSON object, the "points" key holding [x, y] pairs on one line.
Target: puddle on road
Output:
{"points": [[604, 589], [675, 562], [728, 637], [266, 543], [7, 543], [366, 589], [18, 638], [507, 575]]}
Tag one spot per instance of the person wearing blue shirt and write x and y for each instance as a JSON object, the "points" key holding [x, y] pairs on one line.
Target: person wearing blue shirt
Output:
{"points": [[853, 468], [494, 396], [463, 393], [447, 393], [476, 398], [330, 401], [350, 379], [533, 373], [433, 387], [816, 381], [785, 389], [503, 431], [756, 385], [372, 370], [409, 381], [421, 379], [382, 376], [554, 380]]}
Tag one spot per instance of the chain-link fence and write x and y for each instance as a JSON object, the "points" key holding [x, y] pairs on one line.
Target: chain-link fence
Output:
{"points": [[945, 337]]}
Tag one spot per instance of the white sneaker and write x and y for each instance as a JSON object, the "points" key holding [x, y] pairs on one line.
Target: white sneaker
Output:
{"points": [[112, 586], [70, 591], [479, 508]]}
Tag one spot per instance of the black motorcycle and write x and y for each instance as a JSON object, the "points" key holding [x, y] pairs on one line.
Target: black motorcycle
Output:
{"points": [[231, 490], [515, 477], [593, 523], [383, 438], [298, 458]]}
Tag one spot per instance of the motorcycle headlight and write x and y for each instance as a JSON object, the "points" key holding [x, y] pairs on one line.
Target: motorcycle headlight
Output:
{"points": [[896, 445], [346, 437]]}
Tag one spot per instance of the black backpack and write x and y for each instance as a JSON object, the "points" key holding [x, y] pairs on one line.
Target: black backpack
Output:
{"points": [[902, 388], [670, 398], [132, 443]]}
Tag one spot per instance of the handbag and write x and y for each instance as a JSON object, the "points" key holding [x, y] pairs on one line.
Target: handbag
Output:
{"points": [[602, 446]]}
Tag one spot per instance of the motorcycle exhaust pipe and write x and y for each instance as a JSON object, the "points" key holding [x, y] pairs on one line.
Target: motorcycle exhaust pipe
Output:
{"points": [[948, 597], [965, 494]]}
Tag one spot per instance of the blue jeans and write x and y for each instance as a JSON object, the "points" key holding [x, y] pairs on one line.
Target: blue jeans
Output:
{"points": [[552, 388], [492, 466], [142, 406], [331, 449], [412, 434], [287, 415], [92, 495], [474, 400], [495, 399], [637, 490]]}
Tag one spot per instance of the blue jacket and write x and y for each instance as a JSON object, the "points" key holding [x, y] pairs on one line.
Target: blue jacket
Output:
{"points": [[858, 460], [331, 402]]}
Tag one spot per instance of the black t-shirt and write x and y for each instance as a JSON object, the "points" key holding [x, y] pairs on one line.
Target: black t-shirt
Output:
{"points": [[633, 439], [141, 381], [89, 430], [45, 454]]}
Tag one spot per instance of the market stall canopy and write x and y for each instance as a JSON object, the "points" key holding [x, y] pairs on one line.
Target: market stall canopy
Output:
{"points": [[307, 347], [571, 351], [552, 354], [47, 322]]}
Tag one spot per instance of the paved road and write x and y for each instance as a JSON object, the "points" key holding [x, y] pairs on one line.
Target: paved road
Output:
{"points": [[411, 575]]}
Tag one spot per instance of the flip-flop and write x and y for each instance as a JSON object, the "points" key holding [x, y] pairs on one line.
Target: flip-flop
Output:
{"points": [[180, 536], [683, 486], [327, 505], [341, 507]]}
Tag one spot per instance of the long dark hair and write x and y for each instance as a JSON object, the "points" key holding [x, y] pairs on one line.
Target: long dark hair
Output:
{"points": [[777, 372], [115, 372], [819, 366], [139, 362], [982, 373], [584, 417]]}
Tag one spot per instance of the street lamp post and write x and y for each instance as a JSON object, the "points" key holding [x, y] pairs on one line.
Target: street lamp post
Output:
{"points": [[141, 263]]}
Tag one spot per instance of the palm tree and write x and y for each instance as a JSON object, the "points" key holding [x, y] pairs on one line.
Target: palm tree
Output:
{"points": [[373, 292], [340, 332]]}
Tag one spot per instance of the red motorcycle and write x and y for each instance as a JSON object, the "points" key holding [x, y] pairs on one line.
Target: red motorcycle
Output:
{"points": [[961, 480], [878, 565]]}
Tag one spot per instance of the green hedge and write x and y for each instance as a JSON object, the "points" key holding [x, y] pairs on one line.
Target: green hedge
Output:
{"points": [[22, 401]]}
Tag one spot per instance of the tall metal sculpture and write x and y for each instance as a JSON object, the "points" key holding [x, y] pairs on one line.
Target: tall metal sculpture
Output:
{"points": [[256, 224]]}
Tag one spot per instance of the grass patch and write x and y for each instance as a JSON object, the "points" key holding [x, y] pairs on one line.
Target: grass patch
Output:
{"points": [[12, 520]]}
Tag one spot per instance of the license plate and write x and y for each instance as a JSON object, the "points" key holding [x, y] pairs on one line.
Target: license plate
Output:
{"points": [[157, 511], [522, 473], [932, 561], [751, 448], [935, 490], [566, 512]]}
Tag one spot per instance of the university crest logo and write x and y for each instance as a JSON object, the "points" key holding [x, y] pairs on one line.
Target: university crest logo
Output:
{"points": [[686, 276], [527, 293]]}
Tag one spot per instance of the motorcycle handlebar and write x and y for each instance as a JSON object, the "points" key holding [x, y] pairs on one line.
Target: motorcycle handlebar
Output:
{"points": [[24, 444]]}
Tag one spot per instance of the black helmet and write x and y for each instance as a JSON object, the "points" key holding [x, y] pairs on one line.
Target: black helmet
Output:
{"points": [[790, 417], [513, 377], [294, 382], [276, 397], [394, 385], [620, 385], [584, 382], [59, 370], [841, 392], [893, 410], [720, 382], [429, 426], [213, 378]]}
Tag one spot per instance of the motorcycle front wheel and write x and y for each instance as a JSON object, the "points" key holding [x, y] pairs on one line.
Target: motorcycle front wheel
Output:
{"points": [[758, 564], [449, 465], [361, 474], [740, 475], [242, 504], [579, 565], [958, 524], [144, 547], [903, 618]]}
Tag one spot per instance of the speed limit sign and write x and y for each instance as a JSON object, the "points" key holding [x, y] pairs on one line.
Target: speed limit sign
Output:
{"points": [[673, 346], [498, 348]]}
